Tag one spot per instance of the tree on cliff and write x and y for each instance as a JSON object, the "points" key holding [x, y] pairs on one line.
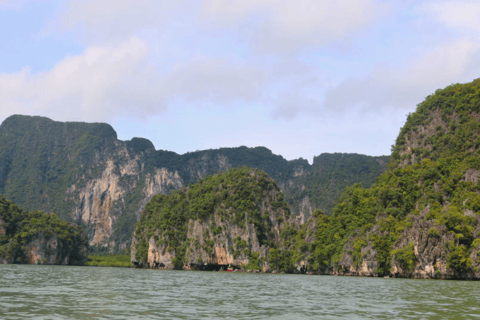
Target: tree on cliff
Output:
{"points": [[421, 217], [47, 236], [234, 217]]}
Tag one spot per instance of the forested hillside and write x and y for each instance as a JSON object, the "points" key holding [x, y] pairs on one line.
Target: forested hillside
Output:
{"points": [[39, 159], [330, 174], [421, 218], [82, 172], [232, 218], [39, 238]]}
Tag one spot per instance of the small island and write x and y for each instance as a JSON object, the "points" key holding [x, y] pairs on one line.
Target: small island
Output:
{"points": [[234, 219]]}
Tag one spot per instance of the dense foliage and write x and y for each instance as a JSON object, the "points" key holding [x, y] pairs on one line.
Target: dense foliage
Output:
{"points": [[330, 174], [19, 227], [438, 186], [45, 165], [322, 182], [40, 159], [122, 261], [445, 125], [219, 160], [240, 196]]}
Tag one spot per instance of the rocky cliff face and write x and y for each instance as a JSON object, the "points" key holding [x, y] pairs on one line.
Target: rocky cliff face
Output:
{"points": [[102, 201], [48, 250], [51, 250], [83, 173], [429, 252], [421, 218], [39, 238], [243, 222], [205, 248], [430, 245]]}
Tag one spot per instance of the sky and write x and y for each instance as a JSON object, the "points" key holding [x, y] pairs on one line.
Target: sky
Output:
{"points": [[300, 77]]}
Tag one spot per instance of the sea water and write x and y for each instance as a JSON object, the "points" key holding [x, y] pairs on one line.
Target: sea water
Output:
{"points": [[66, 292]]}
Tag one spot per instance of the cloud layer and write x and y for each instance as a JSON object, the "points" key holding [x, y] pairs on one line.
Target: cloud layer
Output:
{"points": [[283, 25], [120, 75], [295, 61], [462, 15], [388, 87], [103, 81]]}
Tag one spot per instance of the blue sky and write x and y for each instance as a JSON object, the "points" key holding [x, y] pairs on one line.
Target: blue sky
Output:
{"points": [[298, 77]]}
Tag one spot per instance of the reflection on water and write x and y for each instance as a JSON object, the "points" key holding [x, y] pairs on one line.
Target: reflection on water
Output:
{"points": [[59, 292]]}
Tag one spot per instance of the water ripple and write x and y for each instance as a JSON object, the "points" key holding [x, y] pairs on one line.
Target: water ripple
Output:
{"points": [[59, 292]]}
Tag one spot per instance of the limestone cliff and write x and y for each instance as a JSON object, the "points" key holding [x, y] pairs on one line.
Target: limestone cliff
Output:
{"points": [[427, 246], [102, 201], [39, 238], [421, 217], [230, 219], [83, 173]]}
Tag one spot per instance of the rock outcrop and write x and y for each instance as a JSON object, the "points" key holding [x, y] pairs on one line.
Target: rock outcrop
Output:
{"points": [[230, 219], [39, 238], [421, 219], [51, 250], [82, 172]]}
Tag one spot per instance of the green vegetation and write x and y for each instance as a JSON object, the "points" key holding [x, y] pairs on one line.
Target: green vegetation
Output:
{"points": [[330, 174], [432, 180], [18, 228], [44, 165], [322, 182], [239, 197], [41, 159], [260, 157], [445, 125], [430, 192], [122, 261], [389, 206], [406, 257]]}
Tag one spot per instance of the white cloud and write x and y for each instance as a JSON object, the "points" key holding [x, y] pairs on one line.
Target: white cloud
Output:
{"points": [[97, 85], [269, 25], [450, 61], [290, 105], [284, 25], [107, 20], [105, 82], [456, 14], [405, 88], [215, 80]]}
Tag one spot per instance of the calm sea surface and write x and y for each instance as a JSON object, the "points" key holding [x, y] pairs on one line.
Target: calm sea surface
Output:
{"points": [[59, 292]]}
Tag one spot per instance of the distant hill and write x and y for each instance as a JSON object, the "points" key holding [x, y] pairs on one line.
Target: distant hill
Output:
{"points": [[83, 173], [323, 182]]}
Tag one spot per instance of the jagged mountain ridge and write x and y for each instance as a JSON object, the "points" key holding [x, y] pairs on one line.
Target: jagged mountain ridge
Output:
{"points": [[83, 173]]}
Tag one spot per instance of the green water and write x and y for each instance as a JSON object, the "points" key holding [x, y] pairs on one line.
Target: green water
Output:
{"points": [[59, 292]]}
